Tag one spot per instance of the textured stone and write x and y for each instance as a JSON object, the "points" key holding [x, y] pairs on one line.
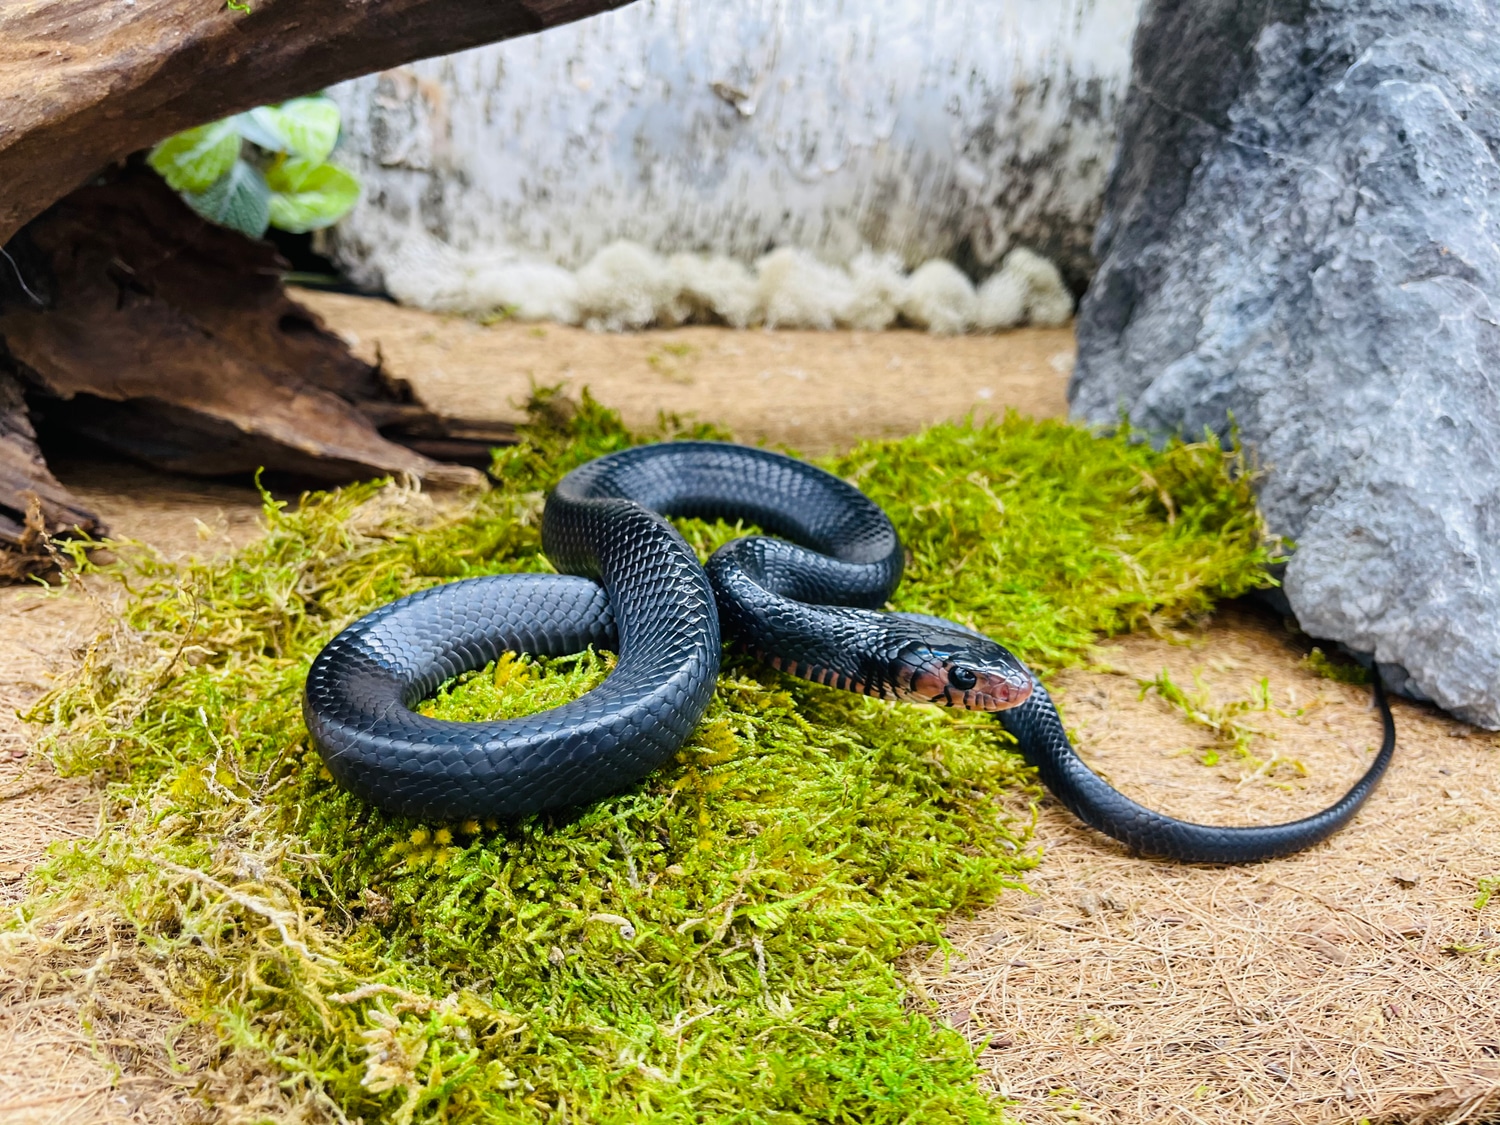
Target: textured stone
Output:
{"points": [[1302, 233]]}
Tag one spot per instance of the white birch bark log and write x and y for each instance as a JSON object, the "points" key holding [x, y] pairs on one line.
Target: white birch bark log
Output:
{"points": [[923, 128]]}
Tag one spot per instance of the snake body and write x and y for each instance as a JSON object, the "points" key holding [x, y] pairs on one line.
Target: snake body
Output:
{"points": [[805, 601]]}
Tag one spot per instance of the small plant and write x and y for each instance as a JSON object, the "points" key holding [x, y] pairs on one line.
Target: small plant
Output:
{"points": [[670, 362], [262, 168], [1225, 720], [1487, 889], [1340, 671]]}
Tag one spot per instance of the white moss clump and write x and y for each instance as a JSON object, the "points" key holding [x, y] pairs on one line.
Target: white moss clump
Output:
{"points": [[717, 288], [432, 275], [1048, 301], [1000, 302], [939, 298], [627, 286], [879, 290], [527, 290], [798, 291]]}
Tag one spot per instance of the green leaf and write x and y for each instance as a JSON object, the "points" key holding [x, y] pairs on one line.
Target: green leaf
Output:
{"points": [[309, 195], [260, 129], [194, 159], [241, 201], [305, 127]]}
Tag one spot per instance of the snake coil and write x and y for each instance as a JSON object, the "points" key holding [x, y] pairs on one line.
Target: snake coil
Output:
{"points": [[806, 602]]}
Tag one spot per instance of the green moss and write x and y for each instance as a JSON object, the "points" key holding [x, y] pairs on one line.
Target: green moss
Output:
{"points": [[714, 945], [1226, 722], [1487, 889], [1340, 671]]}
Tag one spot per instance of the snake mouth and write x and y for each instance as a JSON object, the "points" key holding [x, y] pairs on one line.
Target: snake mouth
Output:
{"points": [[991, 690]]}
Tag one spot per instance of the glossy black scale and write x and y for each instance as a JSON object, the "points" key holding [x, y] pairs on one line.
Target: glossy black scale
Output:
{"points": [[631, 583]]}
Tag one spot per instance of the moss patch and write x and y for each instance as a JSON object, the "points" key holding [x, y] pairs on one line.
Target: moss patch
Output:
{"points": [[714, 945], [1341, 670]]}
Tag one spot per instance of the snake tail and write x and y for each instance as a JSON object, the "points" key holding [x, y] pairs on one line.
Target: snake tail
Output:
{"points": [[1038, 731]]}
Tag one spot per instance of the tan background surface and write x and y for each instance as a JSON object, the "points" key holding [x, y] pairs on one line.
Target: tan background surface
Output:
{"points": [[816, 391]]}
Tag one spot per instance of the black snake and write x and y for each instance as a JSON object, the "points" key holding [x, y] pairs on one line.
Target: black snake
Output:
{"points": [[806, 603]]}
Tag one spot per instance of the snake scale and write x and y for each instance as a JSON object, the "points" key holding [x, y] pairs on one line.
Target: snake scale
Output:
{"points": [[804, 598]]}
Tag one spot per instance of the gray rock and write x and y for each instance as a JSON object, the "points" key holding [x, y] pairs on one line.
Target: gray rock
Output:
{"points": [[1302, 238]]}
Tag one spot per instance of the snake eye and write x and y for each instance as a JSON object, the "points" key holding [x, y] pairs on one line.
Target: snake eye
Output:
{"points": [[961, 677]]}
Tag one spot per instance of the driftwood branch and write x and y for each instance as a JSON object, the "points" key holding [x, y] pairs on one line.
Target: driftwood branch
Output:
{"points": [[171, 340], [85, 83], [131, 322], [33, 504]]}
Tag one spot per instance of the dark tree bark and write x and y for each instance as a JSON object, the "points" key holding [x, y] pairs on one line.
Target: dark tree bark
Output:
{"points": [[171, 340], [33, 504]]}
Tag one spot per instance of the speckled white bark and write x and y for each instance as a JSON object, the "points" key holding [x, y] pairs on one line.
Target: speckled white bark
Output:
{"points": [[929, 128]]}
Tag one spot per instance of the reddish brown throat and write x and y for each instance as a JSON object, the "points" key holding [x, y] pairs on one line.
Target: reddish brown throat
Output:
{"points": [[980, 690]]}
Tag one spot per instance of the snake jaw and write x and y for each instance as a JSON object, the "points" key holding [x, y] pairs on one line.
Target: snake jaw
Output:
{"points": [[981, 678], [996, 692], [991, 693]]}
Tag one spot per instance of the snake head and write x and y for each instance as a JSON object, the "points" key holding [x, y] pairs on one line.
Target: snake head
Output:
{"points": [[972, 673]]}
